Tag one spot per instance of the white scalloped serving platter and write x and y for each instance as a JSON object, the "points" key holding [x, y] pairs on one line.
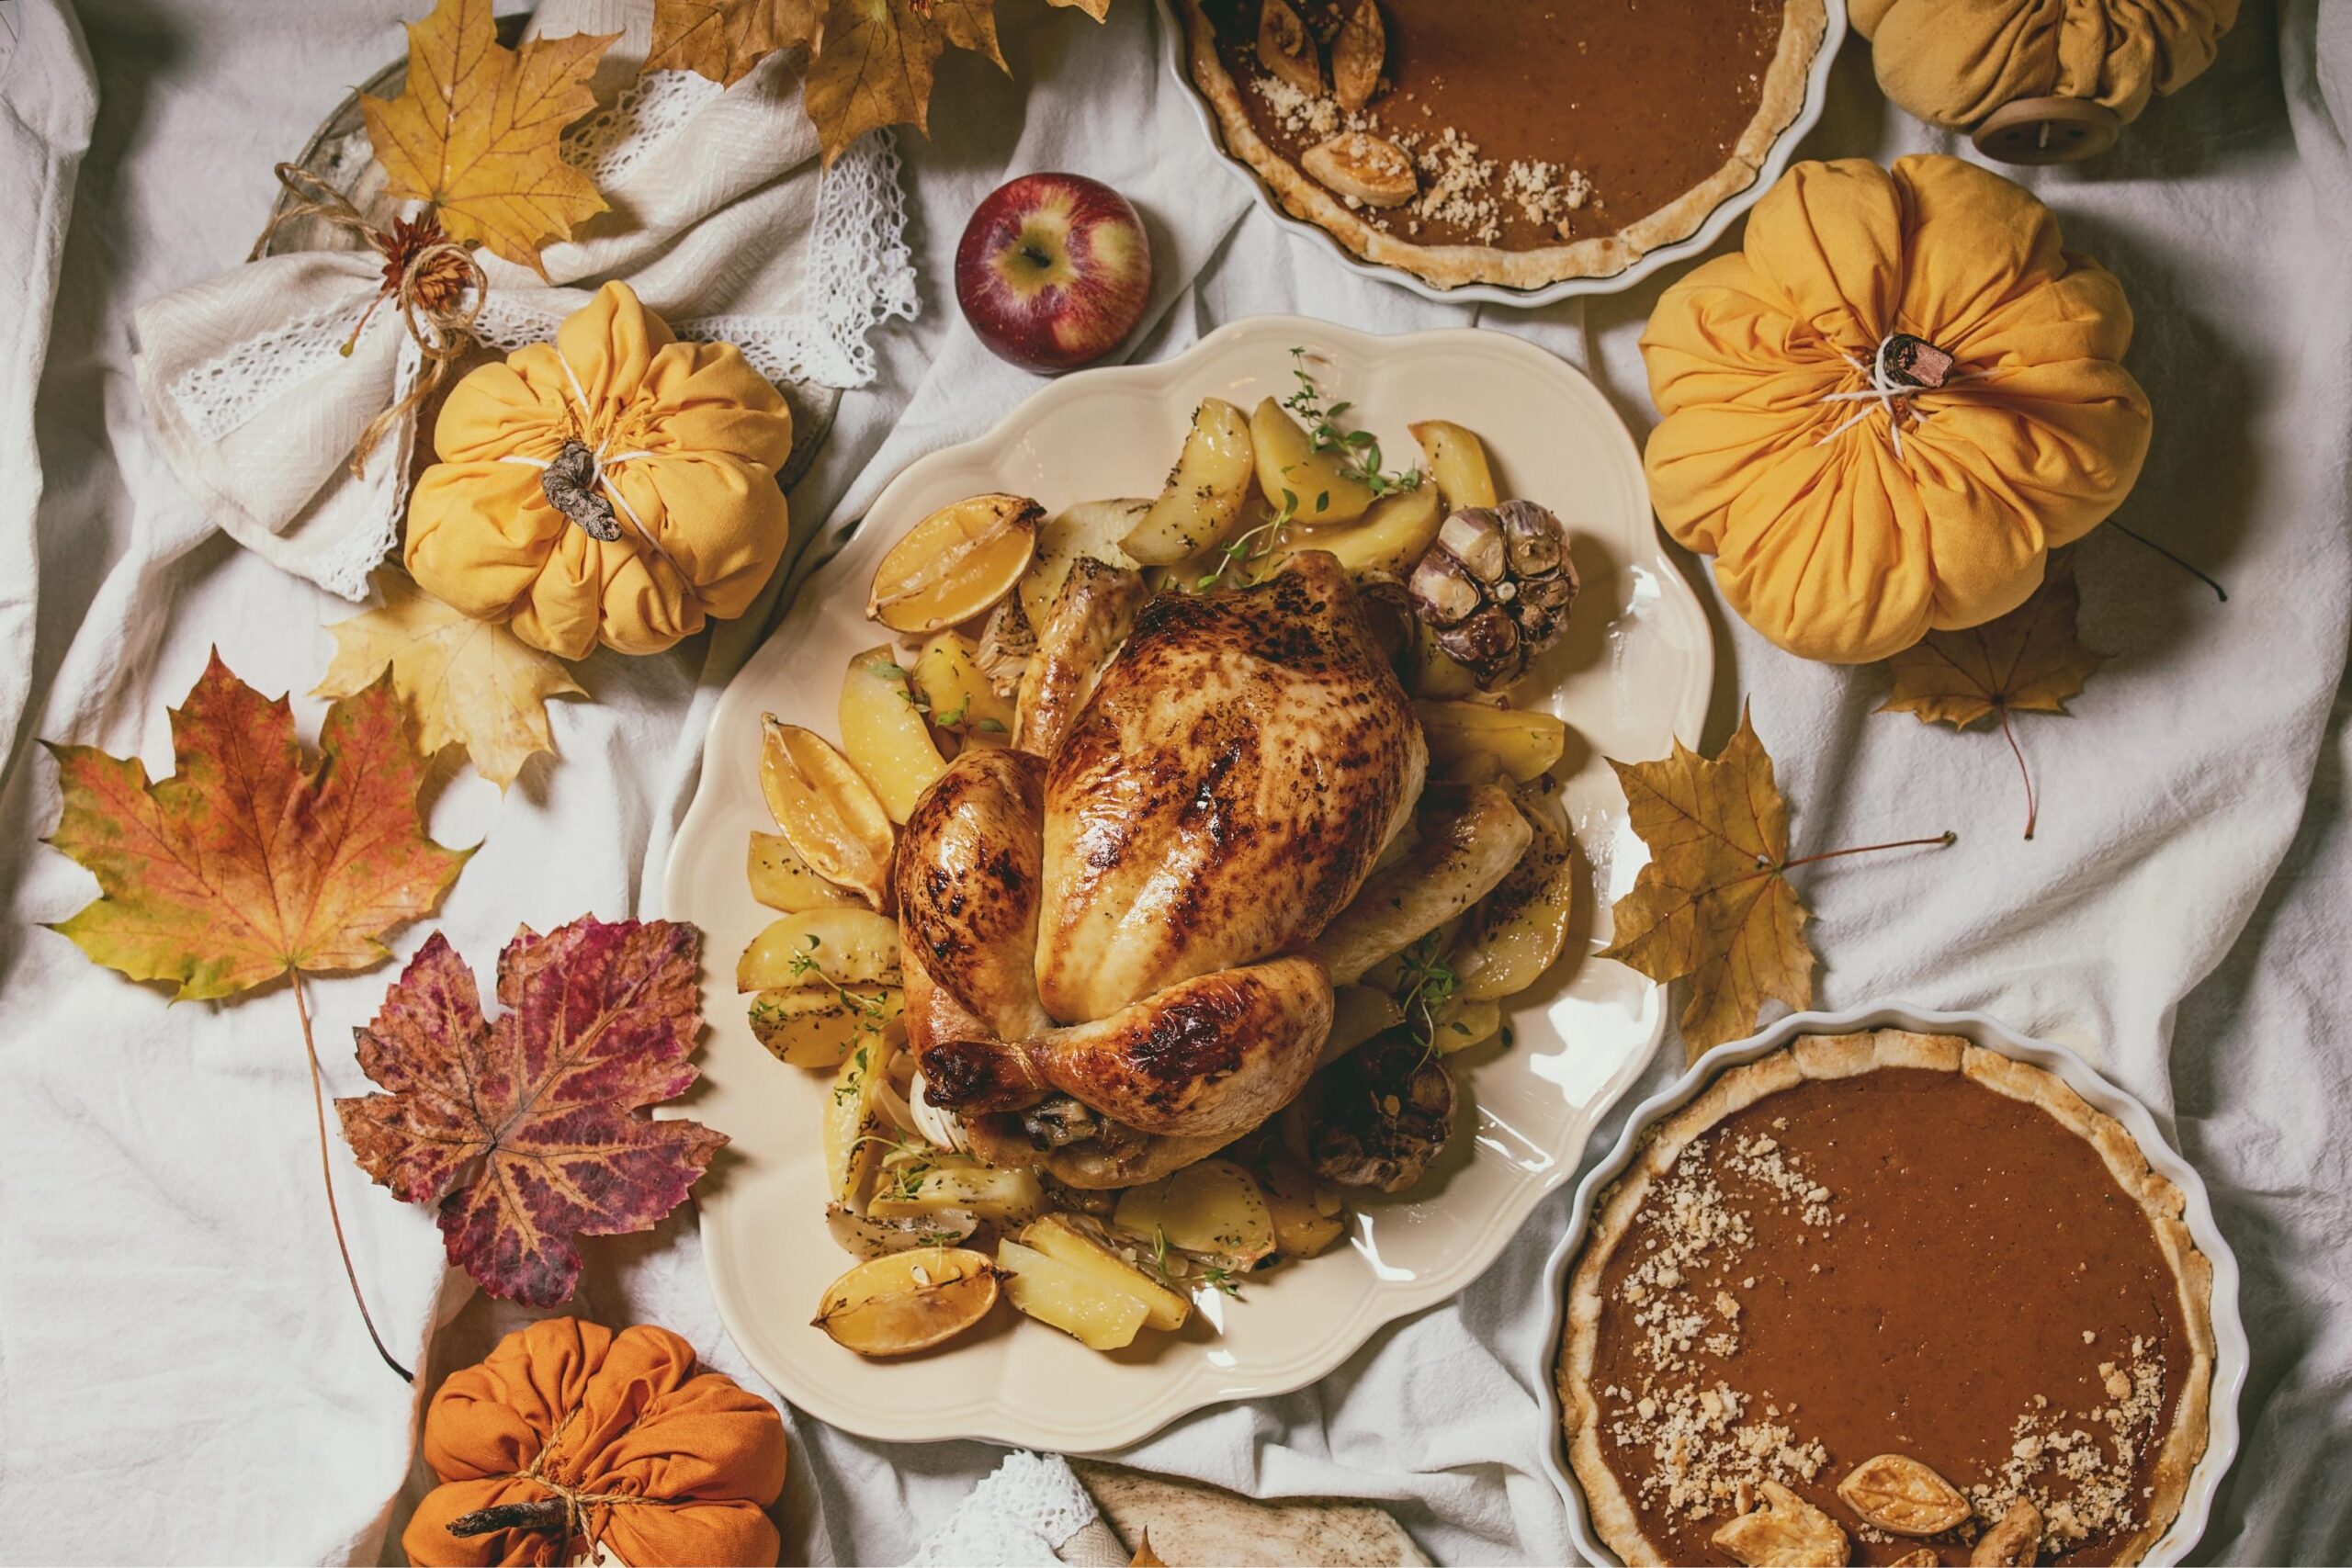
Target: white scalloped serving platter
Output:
{"points": [[1632, 673]]}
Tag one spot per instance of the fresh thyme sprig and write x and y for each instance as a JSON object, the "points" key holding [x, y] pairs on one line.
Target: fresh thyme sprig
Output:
{"points": [[1427, 983], [869, 1009], [1359, 450], [1255, 543]]}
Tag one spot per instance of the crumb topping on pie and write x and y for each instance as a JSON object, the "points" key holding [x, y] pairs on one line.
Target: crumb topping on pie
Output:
{"points": [[1542, 142], [1896, 1289]]}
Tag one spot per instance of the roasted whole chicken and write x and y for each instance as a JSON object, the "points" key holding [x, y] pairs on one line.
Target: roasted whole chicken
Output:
{"points": [[1111, 928]]}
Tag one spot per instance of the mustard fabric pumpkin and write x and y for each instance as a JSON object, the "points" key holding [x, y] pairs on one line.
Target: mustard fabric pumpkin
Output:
{"points": [[1848, 521], [1954, 62], [666, 455]]}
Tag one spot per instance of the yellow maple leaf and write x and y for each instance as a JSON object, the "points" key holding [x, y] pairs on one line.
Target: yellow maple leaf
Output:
{"points": [[465, 682], [478, 133], [2027, 661], [874, 60], [722, 39], [1713, 903]]}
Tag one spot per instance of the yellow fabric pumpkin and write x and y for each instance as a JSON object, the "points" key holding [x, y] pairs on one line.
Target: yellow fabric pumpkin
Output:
{"points": [[1954, 62], [1846, 524], [665, 452]]}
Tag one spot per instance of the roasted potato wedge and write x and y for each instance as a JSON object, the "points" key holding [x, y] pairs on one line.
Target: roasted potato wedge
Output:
{"points": [[883, 733], [782, 880], [1308, 1215], [1287, 461], [1090, 530], [830, 815], [948, 679], [857, 1128], [1059, 1238], [910, 1301], [1517, 932], [1073, 1300], [1358, 1012], [1527, 743], [1457, 460], [1390, 537], [928, 1186], [853, 947], [817, 1026], [1463, 1022], [1436, 672], [1201, 505], [955, 564], [1212, 1208]]}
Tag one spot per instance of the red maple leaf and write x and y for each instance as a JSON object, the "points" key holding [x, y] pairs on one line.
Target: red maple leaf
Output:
{"points": [[527, 1130]]}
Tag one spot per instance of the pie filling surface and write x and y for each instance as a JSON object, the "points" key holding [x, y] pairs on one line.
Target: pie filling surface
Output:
{"points": [[1569, 136], [1903, 1261]]}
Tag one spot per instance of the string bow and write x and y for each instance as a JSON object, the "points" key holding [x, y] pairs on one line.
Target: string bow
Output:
{"points": [[433, 281]]}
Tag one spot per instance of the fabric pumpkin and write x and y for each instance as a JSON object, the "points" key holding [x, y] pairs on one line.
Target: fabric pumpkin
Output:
{"points": [[670, 450], [1954, 62], [1927, 510], [622, 1417]]}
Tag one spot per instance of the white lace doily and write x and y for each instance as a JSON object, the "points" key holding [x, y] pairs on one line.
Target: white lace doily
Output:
{"points": [[1017, 1517]]}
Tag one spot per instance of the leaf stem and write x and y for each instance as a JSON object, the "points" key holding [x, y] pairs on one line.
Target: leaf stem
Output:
{"points": [[1944, 840], [2219, 592], [326, 1179], [2032, 800]]}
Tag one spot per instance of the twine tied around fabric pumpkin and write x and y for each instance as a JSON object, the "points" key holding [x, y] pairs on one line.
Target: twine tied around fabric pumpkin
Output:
{"points": [[578, 482], [567, 1508], [1903, 368], [434, 282]]}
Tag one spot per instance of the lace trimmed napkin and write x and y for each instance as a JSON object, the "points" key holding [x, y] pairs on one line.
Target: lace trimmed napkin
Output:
{"points": [[721, 220], [1030, 1512]]}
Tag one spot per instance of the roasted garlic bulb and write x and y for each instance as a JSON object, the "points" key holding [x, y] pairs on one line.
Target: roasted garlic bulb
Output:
{"points": [[1495, 588], [1381, 1114]]}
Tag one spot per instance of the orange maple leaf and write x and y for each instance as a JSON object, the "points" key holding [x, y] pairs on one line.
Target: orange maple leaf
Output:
{"points": [[2029, 661], [479, 132], [245, 864]]}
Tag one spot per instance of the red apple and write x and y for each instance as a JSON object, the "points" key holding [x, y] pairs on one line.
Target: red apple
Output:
{"points": [[1053, 271]]}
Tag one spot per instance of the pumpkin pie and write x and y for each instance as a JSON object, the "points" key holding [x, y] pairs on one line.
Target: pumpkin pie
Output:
{"points": [[1887, 1298], [1499, 141]]}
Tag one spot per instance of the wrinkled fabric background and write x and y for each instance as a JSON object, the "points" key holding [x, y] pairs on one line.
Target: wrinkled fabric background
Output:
{"points": [[182, 1376]]}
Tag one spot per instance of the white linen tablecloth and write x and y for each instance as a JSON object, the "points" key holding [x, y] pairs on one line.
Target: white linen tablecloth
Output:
{"points": [[182, 1376]]}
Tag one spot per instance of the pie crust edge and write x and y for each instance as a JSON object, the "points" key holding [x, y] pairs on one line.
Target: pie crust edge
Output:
{"points": [[1822, 1056], [1805, 25]]}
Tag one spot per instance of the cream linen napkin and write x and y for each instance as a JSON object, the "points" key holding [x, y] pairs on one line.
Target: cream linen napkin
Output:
{"points": [[720, 218]]}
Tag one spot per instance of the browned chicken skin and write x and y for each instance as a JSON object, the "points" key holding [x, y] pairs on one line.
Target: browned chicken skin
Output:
{"points": [[1206, 811]]}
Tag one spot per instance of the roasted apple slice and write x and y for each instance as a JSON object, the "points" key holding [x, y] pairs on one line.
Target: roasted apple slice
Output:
{"points": [[1320, 488], [883, 732], [1206, 491], [1457, 460]]}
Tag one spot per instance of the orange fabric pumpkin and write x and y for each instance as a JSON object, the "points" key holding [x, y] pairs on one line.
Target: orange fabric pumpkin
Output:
{"points": [[665, 1463]]}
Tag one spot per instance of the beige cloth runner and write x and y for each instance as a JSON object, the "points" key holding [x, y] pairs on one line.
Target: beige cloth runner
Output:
{"points": [[720, 218]]}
